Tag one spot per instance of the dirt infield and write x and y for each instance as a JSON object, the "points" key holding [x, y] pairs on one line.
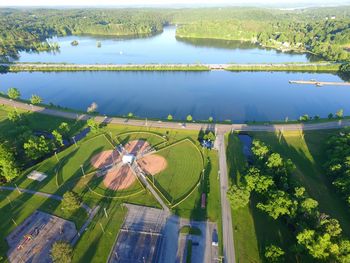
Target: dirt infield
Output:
{"points": [[153, 163], [105, 158], [137, 147], [119, 178]]}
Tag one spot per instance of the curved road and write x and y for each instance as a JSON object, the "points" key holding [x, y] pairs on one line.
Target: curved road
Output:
{"points": [[220, 129]]}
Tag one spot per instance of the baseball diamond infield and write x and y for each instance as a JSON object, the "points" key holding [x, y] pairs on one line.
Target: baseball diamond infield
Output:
{"points": [[119, 178], [153, 164]]}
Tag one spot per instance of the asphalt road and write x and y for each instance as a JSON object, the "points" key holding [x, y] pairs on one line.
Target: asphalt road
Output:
{"points": [[227, 229]]}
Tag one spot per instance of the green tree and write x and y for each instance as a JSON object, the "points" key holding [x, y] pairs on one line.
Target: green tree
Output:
{"points": [[58, 138], [8, 167], [61, 252], [344, 251], [94, 126], [259, 183], [274, 253], [36, 147], [13, 93], [211, 119], [189, 118], [309, 205], [35, 99], [238, 196], [70, 202], [130, 115], [340, 113], [14, 115], [170, 117], [318, 246], [64, 129], [278, 204], [331, 226], [330, 116], [274, 161], [259, 149]]}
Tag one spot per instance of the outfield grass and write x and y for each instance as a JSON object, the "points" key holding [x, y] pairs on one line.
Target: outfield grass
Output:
{"points": [[15, 208], [307, 151], [253, 229], [182, 173]]}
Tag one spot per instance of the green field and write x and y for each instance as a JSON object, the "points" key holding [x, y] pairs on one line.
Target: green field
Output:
{"points": [[183, 170]]}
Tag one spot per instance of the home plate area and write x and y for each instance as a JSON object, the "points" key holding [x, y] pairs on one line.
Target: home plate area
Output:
{"points": [[121, 166]]}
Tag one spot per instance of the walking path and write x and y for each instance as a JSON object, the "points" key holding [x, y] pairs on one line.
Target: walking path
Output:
{"points": [[227, 229], [221, 128]]}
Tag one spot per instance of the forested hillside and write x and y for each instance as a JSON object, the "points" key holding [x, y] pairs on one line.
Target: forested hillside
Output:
{"points": [[322, 31], [28, 29]]}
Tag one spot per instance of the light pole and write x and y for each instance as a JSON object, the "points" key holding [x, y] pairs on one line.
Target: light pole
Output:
{"points": [[82, 170], [75, 142]]}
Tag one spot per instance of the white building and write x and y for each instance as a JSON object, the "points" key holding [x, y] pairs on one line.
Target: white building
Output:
{"points": [[128, 158]]}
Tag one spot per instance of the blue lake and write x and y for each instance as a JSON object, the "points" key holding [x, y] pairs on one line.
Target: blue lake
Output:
{"points": [[223, 95], [161, 48]]}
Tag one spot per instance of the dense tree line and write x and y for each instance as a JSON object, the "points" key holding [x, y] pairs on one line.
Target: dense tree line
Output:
{"points": [[29, 29], [323, 32], [338, 166], [270, 181]]}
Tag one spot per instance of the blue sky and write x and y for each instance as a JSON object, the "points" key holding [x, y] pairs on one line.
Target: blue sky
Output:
{"points": [[169, 2]]}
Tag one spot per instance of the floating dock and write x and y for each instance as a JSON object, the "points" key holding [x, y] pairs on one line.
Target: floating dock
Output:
{"points": [[319, 83]]}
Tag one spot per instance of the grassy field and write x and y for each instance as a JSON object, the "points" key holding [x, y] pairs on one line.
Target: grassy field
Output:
{"points": [[15, 208], [183, 170], [253, 230]]}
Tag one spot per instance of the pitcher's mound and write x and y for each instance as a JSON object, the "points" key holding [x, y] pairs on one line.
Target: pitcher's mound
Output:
{"points": [[119, 178], [153, 163], [104, 159]]}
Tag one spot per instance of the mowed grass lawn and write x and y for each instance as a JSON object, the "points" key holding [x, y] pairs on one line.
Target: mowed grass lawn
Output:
{"points": [[15, 208], [183, 171], [68, 167]]}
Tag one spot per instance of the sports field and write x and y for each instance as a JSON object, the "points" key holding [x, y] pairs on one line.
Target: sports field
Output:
{"points": [[183, 171]]}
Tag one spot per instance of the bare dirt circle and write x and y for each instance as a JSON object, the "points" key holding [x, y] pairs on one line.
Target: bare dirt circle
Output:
{"points": [[153, 164], [104, 159], [119, 178]]}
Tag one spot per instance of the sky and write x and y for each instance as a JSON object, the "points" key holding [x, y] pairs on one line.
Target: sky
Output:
{"points": [[130, 3]]}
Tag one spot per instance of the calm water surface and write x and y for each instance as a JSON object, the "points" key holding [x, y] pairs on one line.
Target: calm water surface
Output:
{"points": [[223, 95], [162, 48]]}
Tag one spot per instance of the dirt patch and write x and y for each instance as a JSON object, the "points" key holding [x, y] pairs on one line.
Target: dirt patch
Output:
{"points": [[105, 158], [137, 147], [119, 178], [153, 164]]}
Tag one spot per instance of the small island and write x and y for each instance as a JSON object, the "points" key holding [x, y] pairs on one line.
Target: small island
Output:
{"points": [[74, 43]]}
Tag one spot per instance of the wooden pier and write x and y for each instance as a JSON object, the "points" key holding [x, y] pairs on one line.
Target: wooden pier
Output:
{"points": [[319, 83]]}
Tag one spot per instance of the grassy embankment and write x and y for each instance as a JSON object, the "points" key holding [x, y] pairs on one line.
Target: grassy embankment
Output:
{"points": [[290, 67], [71, 67], [253, 230]]}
